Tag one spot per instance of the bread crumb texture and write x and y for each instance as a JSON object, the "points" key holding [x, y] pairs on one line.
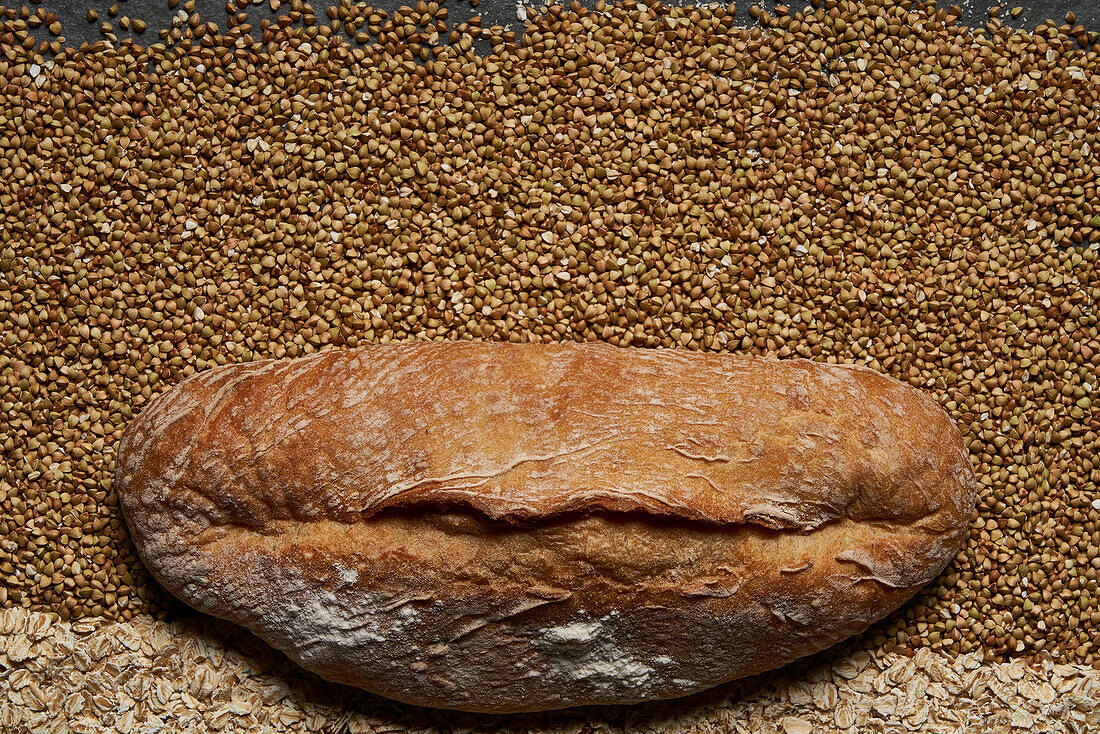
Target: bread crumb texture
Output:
{"points": [[198, 674]]}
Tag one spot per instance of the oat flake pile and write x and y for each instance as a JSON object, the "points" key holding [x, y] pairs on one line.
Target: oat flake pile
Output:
{"points": [[872, 183]]}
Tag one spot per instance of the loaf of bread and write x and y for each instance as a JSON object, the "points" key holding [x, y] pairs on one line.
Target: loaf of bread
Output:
{"points": [[517, 527]]}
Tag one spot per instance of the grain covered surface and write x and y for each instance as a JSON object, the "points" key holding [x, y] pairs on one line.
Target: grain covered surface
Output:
{"points": [[223, 678], [957, 257], [945, 242], [608, 507]]}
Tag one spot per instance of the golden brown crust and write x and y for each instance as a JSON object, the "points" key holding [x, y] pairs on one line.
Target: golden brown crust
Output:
{"points": [[579, 507]]}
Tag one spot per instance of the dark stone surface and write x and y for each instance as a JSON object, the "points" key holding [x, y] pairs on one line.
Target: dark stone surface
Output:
{"points": [[76, 29]]}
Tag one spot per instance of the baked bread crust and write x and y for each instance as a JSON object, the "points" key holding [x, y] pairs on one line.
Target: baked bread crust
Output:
{"points": [[500, 527]]}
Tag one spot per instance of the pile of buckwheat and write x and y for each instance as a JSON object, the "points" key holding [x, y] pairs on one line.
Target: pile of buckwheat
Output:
{"points": [[856, 182]]}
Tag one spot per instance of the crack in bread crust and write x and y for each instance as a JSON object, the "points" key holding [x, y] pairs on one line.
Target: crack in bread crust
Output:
{"points": [[726, 514]]}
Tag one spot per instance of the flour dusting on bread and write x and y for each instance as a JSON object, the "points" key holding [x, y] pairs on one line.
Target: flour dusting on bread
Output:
{"points": [[588, 651]]}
